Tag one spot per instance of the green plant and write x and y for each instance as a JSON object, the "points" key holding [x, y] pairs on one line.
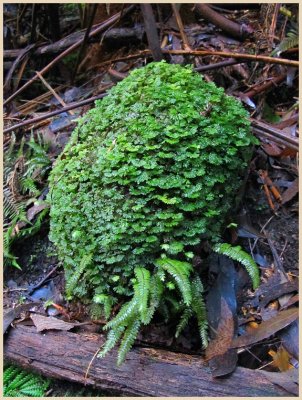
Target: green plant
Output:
{"points": [[291, 40], [148, 173], [20, 383], [24, 168], [236, 253]]}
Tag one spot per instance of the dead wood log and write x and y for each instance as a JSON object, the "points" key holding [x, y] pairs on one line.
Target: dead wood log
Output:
{"points": [[146, 372]]}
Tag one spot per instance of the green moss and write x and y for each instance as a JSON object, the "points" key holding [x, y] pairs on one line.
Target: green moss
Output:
{"points": [[154, 167]]}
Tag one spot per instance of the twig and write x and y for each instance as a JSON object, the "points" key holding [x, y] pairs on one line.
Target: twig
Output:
{"points": [[53, 113], [240, 56], [265, 86], [181, 27], [21, 55], [103, 26], [221, 64], [60, 100], [90, 363], [86, 37], [32, 288], [263, 129], [151, 31]]}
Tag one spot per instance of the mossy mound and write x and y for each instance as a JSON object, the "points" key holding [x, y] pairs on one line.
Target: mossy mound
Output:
{"points": [[152, 169]]}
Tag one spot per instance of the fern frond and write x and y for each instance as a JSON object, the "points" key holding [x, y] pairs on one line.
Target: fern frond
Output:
{"points": [[180, 271], [71, 284], [156, 291], [236, 253], [142, 290], [184, 319], [113, 337], [126, 312], [20, 383], [199, 309], [28, 184], [128, 339], [290, 41]]}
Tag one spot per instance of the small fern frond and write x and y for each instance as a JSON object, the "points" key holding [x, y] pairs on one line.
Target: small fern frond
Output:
{"points": [[113, 337], [238, 254], [71, 284], [184, 319], [142, 290], [20, 383], [290, 41], [126, 312], [128, 339], [199, 309], [180, 271]]}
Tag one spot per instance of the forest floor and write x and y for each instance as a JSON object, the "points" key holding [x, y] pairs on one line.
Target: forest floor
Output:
{"points": [[38, 124]]}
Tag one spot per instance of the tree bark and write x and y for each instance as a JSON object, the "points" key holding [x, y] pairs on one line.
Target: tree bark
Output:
{"points": [[146, 371]]}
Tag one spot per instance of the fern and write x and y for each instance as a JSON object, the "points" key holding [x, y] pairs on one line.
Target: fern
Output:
{"points": [[142, 291], [113, 337], [199, 309], [128, 339], [126, 312], [291, 40], [236, 253], [20, 383], [180, 272], [184, 319], [86, 260], [19, 181]]}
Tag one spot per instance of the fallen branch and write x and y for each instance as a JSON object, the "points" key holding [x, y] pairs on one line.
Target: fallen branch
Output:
{"points": [[228, 26], [53, 113], [262, 129], [102, 27], [146, 372], [240, 56], [265, 86]]}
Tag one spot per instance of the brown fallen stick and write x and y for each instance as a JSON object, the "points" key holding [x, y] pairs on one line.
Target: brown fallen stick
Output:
{"points": [[265, 86], [69, 50], [220, 64], [240, 56], [183, 35], [146, 371], [261, 126], [53, 113], [232, 28]]}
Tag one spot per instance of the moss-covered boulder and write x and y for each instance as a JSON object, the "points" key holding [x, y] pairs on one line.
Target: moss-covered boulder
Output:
{"points": [[152, 169]]}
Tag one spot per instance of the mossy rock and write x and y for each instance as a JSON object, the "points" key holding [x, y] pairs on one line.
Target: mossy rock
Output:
{"points": [[154, 168]]}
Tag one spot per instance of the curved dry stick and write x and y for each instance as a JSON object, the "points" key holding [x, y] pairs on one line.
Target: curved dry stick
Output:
{"points": [[103, 26]]}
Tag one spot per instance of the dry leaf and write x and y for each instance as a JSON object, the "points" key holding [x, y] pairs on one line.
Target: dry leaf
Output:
{"points": [[291, 191], [267, 328], [224, 335], [281, 359], [46, 323]]}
